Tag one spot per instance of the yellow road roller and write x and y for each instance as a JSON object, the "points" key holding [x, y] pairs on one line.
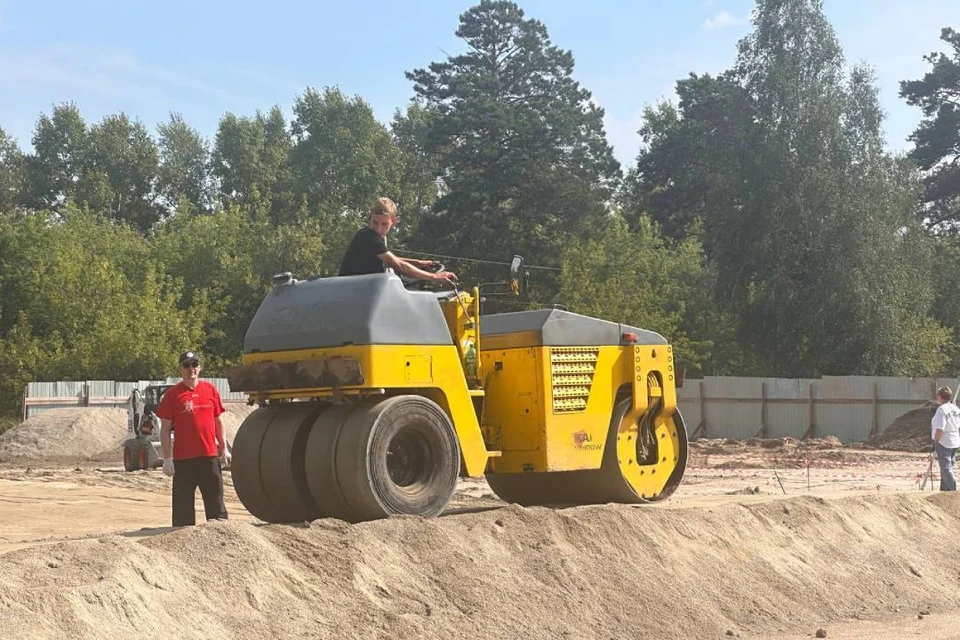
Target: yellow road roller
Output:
{"points": [[375, 397]]}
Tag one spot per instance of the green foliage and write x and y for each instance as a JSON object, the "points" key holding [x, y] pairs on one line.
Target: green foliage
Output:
{"points": [[7, 423], [83, 300], [59, 143], [226, 261], [523, 158], [251, 160], [764, 230], [808, 222], [637, 278], [344, 160], [937, 139], [12, 170], [184, 173], [119, 167]]}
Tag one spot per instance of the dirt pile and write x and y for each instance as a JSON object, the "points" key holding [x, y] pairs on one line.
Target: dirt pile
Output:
{"points": [[909, 432], [85, 434], [81, 434], [605, 571], [235, 415]]}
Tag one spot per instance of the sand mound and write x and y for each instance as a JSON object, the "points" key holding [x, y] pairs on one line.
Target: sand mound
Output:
{"points": [[589, 572], [909, 432], [81, 434], [236, 413], [85, 434]]}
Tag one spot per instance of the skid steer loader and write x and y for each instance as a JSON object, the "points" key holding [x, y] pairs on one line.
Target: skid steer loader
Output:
{"points": [[141, 449], [374, 398]]}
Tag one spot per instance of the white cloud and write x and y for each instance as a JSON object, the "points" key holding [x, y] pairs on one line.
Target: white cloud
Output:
{"points": [[723, 20], [105, 71]]}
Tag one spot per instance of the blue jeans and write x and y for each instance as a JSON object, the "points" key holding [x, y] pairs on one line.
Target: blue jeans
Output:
{"points": [[946, 457]]}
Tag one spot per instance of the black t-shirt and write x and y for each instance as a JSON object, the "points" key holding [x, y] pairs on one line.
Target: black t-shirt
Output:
{"points": [[361, 256]]}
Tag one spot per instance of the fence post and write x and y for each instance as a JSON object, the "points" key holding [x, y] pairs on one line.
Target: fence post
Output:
{"points": [[810, 412], [875, 418], [763, 411]]}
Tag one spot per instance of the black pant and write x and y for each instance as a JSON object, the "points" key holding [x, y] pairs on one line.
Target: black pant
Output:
{"points": [[190, 474]]}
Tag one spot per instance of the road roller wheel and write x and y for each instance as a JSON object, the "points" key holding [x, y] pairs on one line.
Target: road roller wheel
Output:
{"points": [[320, 461], [397, 456], [247, 480], [617, 480], [282, 462], [681, 465]]}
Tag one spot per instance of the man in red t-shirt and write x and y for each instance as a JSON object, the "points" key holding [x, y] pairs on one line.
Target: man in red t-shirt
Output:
{"points": [[192, 408]]}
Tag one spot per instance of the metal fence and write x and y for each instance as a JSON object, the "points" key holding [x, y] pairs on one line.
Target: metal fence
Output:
{"points": [[852, 408], [43, 396]]}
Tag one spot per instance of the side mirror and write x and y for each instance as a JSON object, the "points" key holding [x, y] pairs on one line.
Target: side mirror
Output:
{"points": [[517, 278], [681, 371], [282, 278]]}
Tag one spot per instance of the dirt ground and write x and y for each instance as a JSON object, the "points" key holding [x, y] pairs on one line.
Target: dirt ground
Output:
{"points": [[764, 539]]}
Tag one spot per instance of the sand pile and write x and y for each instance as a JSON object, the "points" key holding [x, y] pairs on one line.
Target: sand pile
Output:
{"points": [[85, 434], [588, 572], [909, 432], [236, 412], [81, 434]]}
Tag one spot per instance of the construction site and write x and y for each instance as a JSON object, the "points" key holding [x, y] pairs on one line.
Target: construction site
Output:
{"points": [[764, 538]]}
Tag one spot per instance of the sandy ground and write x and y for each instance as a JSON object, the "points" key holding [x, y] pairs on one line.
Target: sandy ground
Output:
{"points": [[763, 539], [759, 542]]}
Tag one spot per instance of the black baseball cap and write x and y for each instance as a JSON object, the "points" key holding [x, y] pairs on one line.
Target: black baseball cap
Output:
{"points": [[188, 356]]}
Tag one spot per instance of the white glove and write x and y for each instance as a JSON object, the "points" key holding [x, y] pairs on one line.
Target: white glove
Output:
{"points": [[225, 457], [168, 466]]}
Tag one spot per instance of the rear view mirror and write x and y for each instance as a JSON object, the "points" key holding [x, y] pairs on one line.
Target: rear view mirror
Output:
{"points": [[517, 283]]}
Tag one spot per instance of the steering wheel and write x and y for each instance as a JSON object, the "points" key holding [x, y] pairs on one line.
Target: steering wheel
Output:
{"points": [[420, 283]]}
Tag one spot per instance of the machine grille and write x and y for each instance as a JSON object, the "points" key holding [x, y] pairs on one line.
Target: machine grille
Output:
{"points": [[571, 374]]}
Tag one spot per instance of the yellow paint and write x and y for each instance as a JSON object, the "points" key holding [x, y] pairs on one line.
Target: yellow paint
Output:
{"points": [[432, 371], [522, 393], [550, 438]]}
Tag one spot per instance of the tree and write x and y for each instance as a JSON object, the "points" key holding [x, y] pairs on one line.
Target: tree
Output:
{"points": [[343, 160], [12, 167], [59, 142], [184, 173], [418, 184], [119, 168], [937, 139], [251, 161], [638, 278], [83, 300], [523, 157], [226, 261], [808, 222]]}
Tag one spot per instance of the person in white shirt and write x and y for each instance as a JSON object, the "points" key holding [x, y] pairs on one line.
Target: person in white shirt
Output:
{"points": [[945, 431]]}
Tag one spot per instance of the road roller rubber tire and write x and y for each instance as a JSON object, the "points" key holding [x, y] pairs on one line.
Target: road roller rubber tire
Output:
{"points": [[247, 479], [397, 456], [282, 462], [320, 463]]}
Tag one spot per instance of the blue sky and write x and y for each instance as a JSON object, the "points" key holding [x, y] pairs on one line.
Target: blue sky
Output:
{"points": [[204, 58]]}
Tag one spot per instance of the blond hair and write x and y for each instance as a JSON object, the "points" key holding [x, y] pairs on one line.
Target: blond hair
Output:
{"points": [[945, 393], [384, 206]]}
